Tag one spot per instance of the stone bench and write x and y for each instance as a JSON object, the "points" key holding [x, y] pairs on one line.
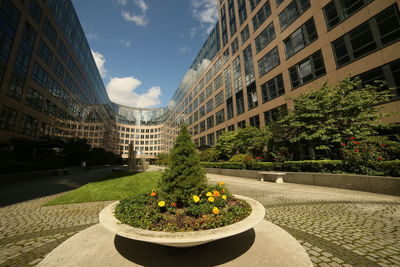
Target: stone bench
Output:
{"points": [[62, 171], [277, 176]]}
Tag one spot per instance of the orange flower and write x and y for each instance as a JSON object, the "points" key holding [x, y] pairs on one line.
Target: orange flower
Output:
{"points": [[216, 193], [153, 194], [173, 204], [215, 210], [222, 190], [220, 184]]}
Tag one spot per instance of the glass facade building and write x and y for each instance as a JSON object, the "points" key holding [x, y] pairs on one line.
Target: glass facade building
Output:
{"points": [[259, 53]]}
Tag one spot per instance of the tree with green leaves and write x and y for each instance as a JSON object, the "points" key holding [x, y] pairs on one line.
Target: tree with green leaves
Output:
{"points": [[225, 147], [322, 119], [252, 140], [184, 176]]}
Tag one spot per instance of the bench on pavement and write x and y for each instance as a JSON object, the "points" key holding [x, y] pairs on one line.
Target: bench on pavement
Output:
{"points": [[277, 177], [62, 171]]}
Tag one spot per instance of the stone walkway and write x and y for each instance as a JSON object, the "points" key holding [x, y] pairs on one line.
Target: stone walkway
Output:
{"points": [[336, 227]]}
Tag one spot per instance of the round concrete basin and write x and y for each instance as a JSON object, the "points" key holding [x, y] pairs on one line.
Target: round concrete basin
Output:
{"points": [[182, 239]]}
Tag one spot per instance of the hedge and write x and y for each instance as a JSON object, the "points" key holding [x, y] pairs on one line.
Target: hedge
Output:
{"points": [[15, 167], [387, 168]]}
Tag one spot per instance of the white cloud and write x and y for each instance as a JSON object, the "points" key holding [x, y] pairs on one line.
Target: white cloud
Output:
{"points": [[184, 49], [138, 20], [122, 2], [125, 43], [92, 36], [100, 61], [206, 12], [122, 91], [142, 5]]}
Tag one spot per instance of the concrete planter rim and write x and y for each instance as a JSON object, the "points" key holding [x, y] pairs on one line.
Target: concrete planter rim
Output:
{"points": [[182, 239]]}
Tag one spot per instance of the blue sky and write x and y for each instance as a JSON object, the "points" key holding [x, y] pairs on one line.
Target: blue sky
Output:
{"points": [[143, 48]]}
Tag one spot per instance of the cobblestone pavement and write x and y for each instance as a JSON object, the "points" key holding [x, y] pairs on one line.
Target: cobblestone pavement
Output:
{"points": [[29, 231], [336, 227]]}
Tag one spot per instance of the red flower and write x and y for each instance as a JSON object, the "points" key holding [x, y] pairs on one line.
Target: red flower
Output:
{"points": [[379, 158], [356, 150], [383, 145], [356, 143], [258, 157], [173, 204], [352, 138], [343, 144]]}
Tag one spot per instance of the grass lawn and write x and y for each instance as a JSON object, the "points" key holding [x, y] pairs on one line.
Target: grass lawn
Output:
{"points": [[113, 187]]}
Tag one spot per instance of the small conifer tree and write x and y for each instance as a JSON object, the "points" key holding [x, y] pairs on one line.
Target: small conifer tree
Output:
{"points": [[184, 176]]}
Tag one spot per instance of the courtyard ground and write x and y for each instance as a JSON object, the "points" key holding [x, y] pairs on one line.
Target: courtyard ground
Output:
{"points": [[336, 227]]}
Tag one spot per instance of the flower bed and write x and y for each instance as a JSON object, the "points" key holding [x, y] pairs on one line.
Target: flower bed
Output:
{"points": [[212, 208]]}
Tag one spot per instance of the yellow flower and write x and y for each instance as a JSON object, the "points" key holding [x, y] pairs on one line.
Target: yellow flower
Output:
{"points": [[215, 210], [211, 199], [209, 194], [220, 184], [196, 199], [161, 204], [216, 194], [223, 197]]}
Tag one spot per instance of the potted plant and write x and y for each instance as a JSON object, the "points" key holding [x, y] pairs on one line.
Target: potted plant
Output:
{"points": [[184, 210]]}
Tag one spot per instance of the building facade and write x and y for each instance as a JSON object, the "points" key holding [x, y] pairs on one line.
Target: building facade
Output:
{"points": [[259, 53], [275, 49]]}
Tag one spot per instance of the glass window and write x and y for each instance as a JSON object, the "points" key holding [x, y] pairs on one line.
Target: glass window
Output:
{"points": [[210, 106], [219, 98], [210, 139], [210, 122], [248, 65], [252, 98], [237, 75], [239, 103], [255, 121], [253, 4], [273, 88], [235, 46], [294, 10], [7, 118], [245, 34], [261, 16], [307, 70], [300, 38], [229, 109], [232, 18], [15, 86], [268, 62], [29, 125], [338, 10], [362, 40], [241, 4], [219, 117], [231, 128], [241, 124], [34, 99], [275, 114], [35, 11], [265, 37]]}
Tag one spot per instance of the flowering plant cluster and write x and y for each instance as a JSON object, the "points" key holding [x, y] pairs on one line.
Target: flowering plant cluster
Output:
{"points": [[360, 156], [211, 208]]}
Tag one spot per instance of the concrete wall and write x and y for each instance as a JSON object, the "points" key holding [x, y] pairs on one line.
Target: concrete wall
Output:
{"points": [[375, 184]]}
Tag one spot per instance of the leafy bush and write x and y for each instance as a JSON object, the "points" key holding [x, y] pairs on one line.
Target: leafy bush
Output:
{"points": [[240, 158], [208, 155], [389, 168], [224, 165]]}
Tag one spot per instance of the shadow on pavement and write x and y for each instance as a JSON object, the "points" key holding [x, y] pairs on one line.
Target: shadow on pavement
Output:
{"points": [[210, 254], [46, 186]]}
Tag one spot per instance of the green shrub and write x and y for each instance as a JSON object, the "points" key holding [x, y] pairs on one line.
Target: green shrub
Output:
{"points": [[240, 158], [264, 166], [208, 155], [224, 165], [389, 168], [184, 176]]}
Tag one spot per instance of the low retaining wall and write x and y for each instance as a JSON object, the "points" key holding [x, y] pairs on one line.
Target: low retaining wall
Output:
{"points": [[374, 184]]}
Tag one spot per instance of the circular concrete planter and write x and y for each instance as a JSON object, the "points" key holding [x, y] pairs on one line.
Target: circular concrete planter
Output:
{"points": [[182, 239]]}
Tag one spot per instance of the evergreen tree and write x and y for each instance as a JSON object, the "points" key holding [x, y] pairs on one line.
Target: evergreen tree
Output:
{"points": [[184, 176]]}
